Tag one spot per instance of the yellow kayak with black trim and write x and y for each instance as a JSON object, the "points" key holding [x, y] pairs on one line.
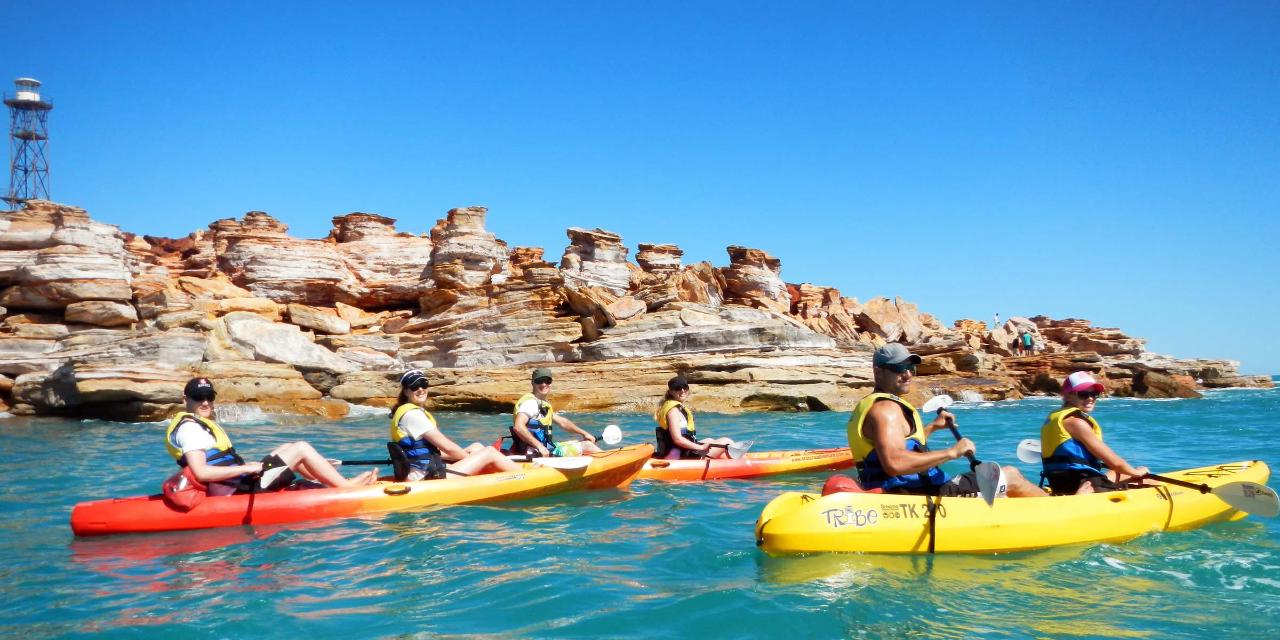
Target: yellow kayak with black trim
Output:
{"points": [[797, 522]]}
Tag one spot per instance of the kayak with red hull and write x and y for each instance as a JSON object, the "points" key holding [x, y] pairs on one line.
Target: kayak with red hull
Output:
{"points": [[142, 514]]}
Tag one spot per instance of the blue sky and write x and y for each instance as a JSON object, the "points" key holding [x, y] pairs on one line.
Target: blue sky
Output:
{"points": [[1112, 161]]}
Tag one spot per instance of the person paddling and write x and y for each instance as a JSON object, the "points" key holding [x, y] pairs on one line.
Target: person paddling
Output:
{"points": [[534, 418], [887, 437], [428, 451], [676, 431], [197, 442], [1075, 458]]}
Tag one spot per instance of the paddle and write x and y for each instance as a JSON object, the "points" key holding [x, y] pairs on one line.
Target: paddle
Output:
{"points": [[736, 449], [990, 476], [1249, 497], [379, 463]]}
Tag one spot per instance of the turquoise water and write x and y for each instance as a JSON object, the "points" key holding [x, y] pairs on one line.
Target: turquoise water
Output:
{"points": [[656, 561]]}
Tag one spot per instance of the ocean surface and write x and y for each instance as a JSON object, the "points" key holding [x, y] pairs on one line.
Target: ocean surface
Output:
{"points": [[655, 561]]}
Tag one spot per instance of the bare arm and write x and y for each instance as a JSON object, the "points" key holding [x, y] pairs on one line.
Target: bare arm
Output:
{"points": [[887, 428], [569, 426], [206, 473], [449, 450], [676, 422], [1083, 433]]}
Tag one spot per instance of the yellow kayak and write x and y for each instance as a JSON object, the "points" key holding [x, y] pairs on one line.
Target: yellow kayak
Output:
{"points": [[887, 523]]}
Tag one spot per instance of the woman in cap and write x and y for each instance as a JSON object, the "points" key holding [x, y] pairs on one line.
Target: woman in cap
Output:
{"points": [[1075, 458], [676, 432], [429, 451], [200, 444]]}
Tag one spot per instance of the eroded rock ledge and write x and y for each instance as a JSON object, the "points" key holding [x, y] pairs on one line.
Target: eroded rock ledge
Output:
{"points": [[96, 322]]}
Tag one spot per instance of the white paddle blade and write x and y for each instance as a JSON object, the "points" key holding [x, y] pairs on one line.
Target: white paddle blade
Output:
{"points": [[1029, 451], [738, 449], [936, 403], [564, 464], [991, 482], [1250, 497], [611, 435]]}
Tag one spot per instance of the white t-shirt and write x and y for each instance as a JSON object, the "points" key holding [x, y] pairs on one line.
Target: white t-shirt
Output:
{"points": [[416, 422], [191, 436]]}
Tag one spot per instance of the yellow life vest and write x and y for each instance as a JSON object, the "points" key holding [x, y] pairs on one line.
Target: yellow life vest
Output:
{"points": [[546, 413], [222, 450], [397, 433], [871, 473], [859, 443], [1060, 452], [665, 409]]}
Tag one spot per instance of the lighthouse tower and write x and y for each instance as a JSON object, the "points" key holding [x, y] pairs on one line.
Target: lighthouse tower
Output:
{"points": [[28, 139]]}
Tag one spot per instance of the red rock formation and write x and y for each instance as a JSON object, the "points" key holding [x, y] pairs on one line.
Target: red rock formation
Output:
{"points": [[753, 279], [596, 258]]}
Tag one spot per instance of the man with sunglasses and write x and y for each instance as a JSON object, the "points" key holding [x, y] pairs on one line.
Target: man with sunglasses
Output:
{"points": [[1075, 458], [533, 421], [197, 443], [887, 437]]}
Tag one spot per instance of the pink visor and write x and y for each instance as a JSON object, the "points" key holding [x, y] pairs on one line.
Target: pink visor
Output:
{"points": [[1081, 381]]}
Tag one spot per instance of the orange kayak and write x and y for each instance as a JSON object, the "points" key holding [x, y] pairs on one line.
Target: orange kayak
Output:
{"points": [[142, 514], [750, 465]]}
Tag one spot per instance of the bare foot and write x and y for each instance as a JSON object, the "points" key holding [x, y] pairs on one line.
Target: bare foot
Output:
{"points": [[368, 477]]}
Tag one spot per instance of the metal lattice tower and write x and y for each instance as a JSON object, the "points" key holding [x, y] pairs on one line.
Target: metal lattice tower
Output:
{"points": [[28, 139]]}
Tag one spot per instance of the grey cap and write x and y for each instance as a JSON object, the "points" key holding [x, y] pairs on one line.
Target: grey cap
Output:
{"points": [[893, 353], [541, 372]]}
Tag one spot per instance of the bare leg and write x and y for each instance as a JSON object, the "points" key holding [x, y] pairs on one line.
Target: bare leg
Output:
{"points": [[304, 459], [718, 452], [482, 460], [1020, 487]]}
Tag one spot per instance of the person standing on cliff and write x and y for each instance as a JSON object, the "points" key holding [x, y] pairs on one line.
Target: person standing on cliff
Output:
{"points": [[887, 437], [534, 418], [995, 322], [1028, 343], [197, 442]]}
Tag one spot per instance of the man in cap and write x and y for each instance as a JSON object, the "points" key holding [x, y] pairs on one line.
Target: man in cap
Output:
{"points": [[887, 437], [1075, 458], [197, 442], [534, 418]]}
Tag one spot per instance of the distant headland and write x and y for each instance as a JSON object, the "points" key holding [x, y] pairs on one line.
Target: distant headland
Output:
{"points": [[98, 322]]}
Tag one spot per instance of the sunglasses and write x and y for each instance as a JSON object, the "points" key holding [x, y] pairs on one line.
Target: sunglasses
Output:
{"points": [[1088, 395], [418, 385], [201, 397], [542, 381], [899, 368], [684, 388]]}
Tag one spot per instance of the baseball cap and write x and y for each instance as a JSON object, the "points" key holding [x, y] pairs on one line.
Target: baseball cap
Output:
{"points": [[1081, 381], [541, 372], [893, 353], [678, 382], [198, 386], [412, 377]]}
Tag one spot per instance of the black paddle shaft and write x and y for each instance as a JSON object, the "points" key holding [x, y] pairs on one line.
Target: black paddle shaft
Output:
{"points": [[973, 462]]}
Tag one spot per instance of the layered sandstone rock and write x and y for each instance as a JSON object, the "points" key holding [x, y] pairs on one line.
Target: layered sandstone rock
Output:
{"points": [[753, 279], [596, 259], [95, 322]]}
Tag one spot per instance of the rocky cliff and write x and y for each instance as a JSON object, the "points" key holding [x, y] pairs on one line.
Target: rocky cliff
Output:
{"points": [[97, 322]]}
